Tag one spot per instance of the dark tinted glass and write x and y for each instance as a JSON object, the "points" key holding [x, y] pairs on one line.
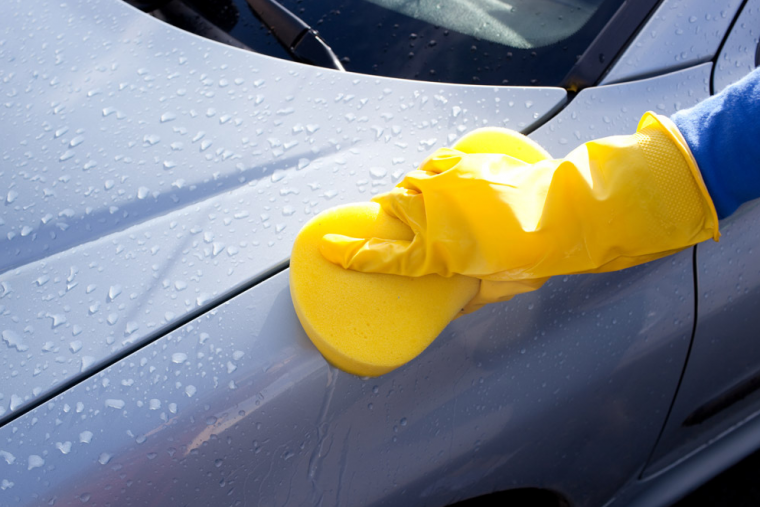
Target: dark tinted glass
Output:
{"points": [[494, 42]]}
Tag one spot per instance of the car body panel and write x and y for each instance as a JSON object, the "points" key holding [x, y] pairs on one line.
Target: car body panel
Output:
{"points": [[717, 394], [150, 173], [738, 56], [616, 109], [725, 352], [675, 482], [679, 34], [570, 383], [621, 336]]}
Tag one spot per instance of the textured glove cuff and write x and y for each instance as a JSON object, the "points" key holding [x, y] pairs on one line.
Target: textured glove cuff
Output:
{"points": [[674, 166]]}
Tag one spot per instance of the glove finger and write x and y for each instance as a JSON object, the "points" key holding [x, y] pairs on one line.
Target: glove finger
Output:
{"points": [[375, 255], [407, 205], [414, 181], [441, 160], [497, 292]]}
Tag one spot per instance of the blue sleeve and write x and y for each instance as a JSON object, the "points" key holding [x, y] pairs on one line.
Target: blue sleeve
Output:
{"points": [[723, 133]]}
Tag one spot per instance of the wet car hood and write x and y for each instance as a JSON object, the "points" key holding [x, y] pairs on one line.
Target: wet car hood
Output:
{"points": [[148, 174]]}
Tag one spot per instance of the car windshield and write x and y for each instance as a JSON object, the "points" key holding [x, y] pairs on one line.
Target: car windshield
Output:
{"points": [[522, 24], [514, 42]]}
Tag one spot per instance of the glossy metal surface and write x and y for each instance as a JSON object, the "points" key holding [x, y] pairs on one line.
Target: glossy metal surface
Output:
{"points": [[738, 55], [679, 34], [568, 385], [616, 109], [725, 350], [564, 375], [676, 482], [149, 173]]}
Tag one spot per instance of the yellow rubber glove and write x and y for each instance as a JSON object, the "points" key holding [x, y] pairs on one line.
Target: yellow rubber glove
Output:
{"points": [[610, 204]]}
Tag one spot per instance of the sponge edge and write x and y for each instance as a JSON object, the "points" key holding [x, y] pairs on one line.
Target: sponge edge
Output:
{"points": [[368, 324]]}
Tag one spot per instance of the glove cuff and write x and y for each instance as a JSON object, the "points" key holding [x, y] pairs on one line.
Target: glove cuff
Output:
{"points": [[667, 150]]}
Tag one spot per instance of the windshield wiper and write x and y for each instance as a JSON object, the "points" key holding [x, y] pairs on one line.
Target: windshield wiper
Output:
{"points": [[298, 38]]}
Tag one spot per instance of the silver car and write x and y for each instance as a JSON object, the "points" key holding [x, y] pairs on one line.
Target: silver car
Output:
{"points": [[152, 182]]}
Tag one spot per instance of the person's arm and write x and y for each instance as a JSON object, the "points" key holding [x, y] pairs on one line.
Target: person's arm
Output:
{"points": [[723, 133], [482, 211]]}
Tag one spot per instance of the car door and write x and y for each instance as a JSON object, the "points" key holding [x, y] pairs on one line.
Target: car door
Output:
{"points": [[719, 391]]}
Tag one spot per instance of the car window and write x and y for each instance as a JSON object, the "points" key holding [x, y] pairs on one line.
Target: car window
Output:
{"points": [[494, 42]]}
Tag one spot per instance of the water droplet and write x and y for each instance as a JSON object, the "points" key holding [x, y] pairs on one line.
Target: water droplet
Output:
{"points": [[151, 139], [190, 391], [35, 462], [85, 437], [104, 458], [87, 361], [378, 172], [114, 403], [11, 196], [179, 357], [64, 447], [16, 401], [154, 404], [58, 319], [114, 291], [75, 346], [168, 116], [14, 340]]}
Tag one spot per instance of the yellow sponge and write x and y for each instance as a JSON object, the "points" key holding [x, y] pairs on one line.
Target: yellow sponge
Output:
{"points": [[368, 324]]}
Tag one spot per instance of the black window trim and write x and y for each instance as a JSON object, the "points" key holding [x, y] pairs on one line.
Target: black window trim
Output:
{"points": [[611, 41]]}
